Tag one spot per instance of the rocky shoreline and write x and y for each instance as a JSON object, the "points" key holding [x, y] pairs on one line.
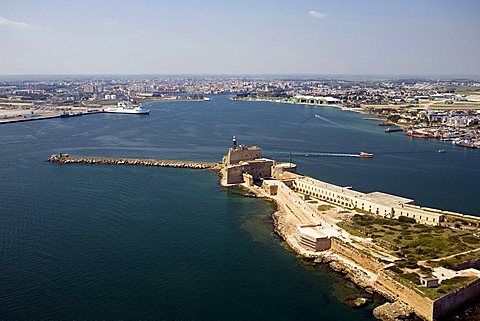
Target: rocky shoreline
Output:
{"points": [[390, 311]]}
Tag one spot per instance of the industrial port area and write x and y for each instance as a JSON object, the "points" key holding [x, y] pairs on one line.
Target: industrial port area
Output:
{"points": [[442, 109]]}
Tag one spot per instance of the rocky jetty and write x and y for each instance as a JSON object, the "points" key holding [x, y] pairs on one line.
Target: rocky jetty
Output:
{"points": [[394, 312], [67, 159]]}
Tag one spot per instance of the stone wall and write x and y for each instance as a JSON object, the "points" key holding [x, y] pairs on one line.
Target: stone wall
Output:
{"points": [[422, 305], [293, 202], [233, 174], [259, 169], [455, 300], [242, 153], [362, 259]]}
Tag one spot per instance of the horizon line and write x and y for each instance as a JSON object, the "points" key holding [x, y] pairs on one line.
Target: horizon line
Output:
{"points": [[413, 75]]}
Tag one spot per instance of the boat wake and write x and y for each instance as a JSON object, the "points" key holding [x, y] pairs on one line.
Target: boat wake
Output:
{"points": [[325, 119], [325, 154]]}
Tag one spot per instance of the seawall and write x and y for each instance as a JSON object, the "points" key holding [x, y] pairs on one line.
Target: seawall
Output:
{"points": [[66, 159]]}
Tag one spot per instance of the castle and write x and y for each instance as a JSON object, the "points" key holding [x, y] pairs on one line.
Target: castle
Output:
{"points": [[245, 164]]}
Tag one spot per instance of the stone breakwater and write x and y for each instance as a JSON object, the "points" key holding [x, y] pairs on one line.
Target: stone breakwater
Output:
{"points": [[66, 159]]}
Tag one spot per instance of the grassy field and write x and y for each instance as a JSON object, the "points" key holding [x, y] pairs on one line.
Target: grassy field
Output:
{"points": [[409, 241], [467, 90]]}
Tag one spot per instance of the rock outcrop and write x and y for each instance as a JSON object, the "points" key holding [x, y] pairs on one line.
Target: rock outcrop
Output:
{"points": [[394, 312]]}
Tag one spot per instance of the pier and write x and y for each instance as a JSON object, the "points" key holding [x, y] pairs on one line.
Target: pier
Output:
{"points": [[67, 159]]}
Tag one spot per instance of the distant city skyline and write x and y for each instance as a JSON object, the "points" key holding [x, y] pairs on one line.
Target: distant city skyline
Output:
{"points": [[243, 37]]}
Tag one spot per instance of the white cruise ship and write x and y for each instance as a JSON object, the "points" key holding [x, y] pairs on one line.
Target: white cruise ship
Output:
{"points": [[126, 107]]}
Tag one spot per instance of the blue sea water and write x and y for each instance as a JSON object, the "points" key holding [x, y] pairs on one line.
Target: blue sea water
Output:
{"points": [[126, 242]]}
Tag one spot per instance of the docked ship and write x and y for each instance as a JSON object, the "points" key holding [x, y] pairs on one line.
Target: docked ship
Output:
{"points": [[417, 133], [126, 107], [393, 129]]}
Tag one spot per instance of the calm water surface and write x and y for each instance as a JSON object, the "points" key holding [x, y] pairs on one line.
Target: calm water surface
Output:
{"points": [[114, 242]]}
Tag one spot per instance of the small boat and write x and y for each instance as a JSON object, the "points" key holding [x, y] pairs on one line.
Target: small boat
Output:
{"points": [[365, 155], [67, 115], [393, 130], [441, 151]]}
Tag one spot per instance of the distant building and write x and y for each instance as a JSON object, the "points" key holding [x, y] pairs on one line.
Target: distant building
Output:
{"points": [[314, 100], [89, 89]]}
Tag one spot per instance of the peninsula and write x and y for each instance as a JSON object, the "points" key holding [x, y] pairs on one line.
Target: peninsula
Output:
{"points": [[425, 261]]}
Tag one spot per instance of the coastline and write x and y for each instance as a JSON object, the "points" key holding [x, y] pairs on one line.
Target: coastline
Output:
{"points": [[364, 266], [284, 221], [402, 301]]}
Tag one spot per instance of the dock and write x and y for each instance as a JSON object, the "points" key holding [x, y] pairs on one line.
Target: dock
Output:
{"points": [[44, 117], [67, 159]]}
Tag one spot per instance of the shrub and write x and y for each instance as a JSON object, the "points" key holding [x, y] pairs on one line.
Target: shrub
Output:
{"points": [[324, 207], [412, 277], [405, 219], [357, 217], [442, 291], [470, 239]]}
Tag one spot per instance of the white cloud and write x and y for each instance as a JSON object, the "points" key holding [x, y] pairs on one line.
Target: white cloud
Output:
{"points": [[317, 14], [111, 23], [4, 22]]}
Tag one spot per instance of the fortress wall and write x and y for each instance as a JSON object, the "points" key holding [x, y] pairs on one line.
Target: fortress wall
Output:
{"points": [[362, 259], [422, 305], [259, 169], [233, 174], [455, 300], [293, 201], [234, 156]]}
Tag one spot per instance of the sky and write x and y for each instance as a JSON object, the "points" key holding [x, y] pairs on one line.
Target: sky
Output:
{"points": [[321, 37]]}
